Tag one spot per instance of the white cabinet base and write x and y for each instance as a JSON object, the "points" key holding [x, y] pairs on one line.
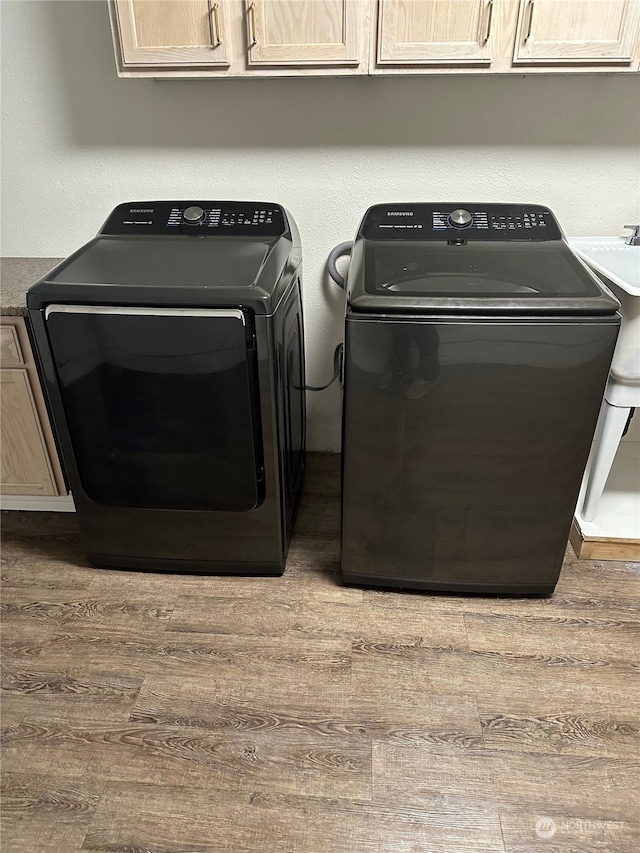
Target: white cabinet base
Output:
{"points": [[614, 533]]}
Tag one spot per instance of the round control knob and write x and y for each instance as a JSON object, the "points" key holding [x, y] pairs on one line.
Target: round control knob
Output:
{"points": [[193, 215], [460, 218]]}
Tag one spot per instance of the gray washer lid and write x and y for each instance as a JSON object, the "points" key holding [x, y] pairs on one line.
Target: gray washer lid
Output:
{"points": [[529, 278]]}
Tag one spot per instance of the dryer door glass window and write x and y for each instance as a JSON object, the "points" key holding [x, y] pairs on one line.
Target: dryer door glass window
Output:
{"points": [[161, 405]]}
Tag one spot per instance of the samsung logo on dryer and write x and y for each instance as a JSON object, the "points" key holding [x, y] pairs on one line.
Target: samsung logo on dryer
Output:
{"points": [[399, 213], [140, 210]]}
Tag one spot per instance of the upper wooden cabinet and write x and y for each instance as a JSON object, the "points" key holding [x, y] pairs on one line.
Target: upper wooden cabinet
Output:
{"points": [[291, 32], [576, 31], [172, 33], [196, 38], [434, 31], [239, 37]]}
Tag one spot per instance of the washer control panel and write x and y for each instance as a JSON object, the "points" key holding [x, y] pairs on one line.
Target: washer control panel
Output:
{"points": [[202, 218], [456, 222]]}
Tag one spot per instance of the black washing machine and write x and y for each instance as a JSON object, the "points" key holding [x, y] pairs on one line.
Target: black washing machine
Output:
{"points": [[171, 348], [477, 352]]}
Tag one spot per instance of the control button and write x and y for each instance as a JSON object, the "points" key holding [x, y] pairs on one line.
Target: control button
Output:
{"points": [[460, 218], [193, 215]]}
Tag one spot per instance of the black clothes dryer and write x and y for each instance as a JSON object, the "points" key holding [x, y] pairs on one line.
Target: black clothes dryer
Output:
{"points": [[172, 353], [477, 352]]}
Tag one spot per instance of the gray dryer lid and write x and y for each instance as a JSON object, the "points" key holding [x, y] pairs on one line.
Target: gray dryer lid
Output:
{"points": [[247, 255]]}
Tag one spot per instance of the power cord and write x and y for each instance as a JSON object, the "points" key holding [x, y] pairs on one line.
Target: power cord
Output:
{"points": [[338, 358]]}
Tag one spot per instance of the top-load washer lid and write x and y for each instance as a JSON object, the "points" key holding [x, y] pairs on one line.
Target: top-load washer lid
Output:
{"points": [[180, 253], [459, 258]]}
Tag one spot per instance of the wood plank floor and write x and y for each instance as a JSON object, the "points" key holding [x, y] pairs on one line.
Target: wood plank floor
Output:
{"points": [[162, 714]]}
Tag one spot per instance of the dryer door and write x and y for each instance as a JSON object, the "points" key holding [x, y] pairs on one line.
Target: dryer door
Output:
{"points": [[161, 405]]}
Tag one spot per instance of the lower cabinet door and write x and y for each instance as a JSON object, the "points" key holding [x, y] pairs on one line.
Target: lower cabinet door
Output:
{"points": [[26, 468]]}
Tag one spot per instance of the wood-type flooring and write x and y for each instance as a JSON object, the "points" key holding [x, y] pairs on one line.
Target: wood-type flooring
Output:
{"points": [[148, 713]]}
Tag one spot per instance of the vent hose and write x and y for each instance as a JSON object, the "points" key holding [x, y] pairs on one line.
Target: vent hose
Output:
{"points": [[334, 254]]}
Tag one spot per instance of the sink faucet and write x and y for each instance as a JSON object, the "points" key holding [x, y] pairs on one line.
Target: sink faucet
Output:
{"points": [[634, 238]]}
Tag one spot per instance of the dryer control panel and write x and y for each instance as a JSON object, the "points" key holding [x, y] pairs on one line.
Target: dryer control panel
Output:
{"points": [[201, 218], [460, 222]]}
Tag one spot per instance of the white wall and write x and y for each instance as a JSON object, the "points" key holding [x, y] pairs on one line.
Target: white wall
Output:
{"points": [[77, 141]]}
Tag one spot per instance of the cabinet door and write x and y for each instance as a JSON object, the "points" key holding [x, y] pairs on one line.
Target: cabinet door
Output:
{"points": [[26, 469], [423, 32], [172, 33], [10, 352], [298, 32], [576, 31]]}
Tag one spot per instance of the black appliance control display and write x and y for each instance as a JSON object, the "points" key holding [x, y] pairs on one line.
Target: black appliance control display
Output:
{"points": [[490, 222], [202, 218]]}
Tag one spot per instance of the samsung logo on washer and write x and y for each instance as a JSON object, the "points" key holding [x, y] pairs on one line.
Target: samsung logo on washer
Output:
{"points": [[399, 213], [141, 210]]}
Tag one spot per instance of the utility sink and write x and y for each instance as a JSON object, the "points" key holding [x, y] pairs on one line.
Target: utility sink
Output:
{"points": [[612, 258], [619, 267]]}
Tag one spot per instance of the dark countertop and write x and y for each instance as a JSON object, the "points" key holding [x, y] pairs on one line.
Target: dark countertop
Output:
{"points": [[16, 277]]}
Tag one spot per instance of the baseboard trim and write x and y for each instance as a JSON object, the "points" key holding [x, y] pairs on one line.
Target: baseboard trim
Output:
{"points": [[602, 547], [37, 503]]}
